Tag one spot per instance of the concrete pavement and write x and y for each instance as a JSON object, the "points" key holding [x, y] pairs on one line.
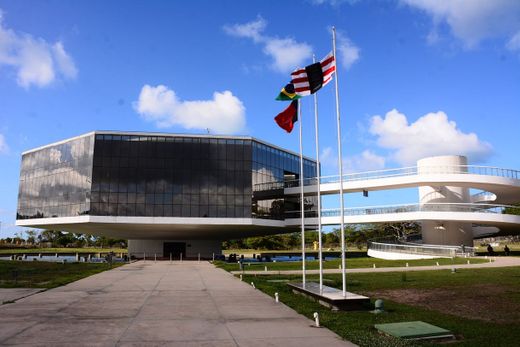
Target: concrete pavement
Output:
{"points": [[158, 304], [497, 262]]}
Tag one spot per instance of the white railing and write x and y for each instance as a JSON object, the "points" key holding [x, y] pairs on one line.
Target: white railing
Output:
{"points": [[399, 172], [403, 208]]}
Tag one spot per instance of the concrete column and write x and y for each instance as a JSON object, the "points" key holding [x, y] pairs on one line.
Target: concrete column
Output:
{"points": [[444, 233]]}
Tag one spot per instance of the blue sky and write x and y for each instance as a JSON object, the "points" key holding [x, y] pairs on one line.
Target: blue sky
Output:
{"points": [[417, 77]]}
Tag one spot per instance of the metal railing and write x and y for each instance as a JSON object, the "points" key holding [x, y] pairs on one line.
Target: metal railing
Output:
{"points": [[399, 172], [428, 207], [394, 245]]}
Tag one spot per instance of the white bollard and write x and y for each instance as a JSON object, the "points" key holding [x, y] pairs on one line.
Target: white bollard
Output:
{"points": [[39, 255], [468, 262], [199, 257], [213, 256], [406, 264], [339, 266], [240, 277], [374, 266], [155, 257], [181, 257], [437, 263], [276, 297], [317, 319], [490, 260], [77, 256], [57, 255], [265, 268], [253, 285]]}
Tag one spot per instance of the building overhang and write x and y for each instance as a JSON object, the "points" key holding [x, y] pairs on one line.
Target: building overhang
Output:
{"points": [[161, 227]]}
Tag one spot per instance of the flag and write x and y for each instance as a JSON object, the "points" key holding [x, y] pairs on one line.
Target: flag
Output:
{"points": [[288, 93], [310, 79], [288, 117]]}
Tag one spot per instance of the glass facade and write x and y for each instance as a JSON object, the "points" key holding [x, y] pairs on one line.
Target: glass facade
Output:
{"points": [[109, 174], [168, 176], [55, 181], [272, 166]]}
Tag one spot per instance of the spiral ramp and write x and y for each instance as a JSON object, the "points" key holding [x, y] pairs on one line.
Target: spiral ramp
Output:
{"points": [[457, 202]]}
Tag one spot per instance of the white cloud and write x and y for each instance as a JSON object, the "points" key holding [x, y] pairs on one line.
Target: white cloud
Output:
{"points": [[514, 42], [225, 113], [3, 145], [432, 134], [333, 3], [286, 53], [365, 161], [36, 61], [347, 51], [472, 21]]}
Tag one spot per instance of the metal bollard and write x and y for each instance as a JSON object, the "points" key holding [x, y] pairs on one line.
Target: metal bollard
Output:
{"points": [[170, 258], [155, 257], [199, 257], [213, 257], [253, 285], [317, 319], [181, 257], [276, 297]]}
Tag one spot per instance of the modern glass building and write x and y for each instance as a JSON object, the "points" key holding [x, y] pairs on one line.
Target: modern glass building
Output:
{"points": [[163, 192]]}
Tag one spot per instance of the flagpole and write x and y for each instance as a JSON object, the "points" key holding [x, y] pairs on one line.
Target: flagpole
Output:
{"points": [[302, 207], [318, 184], [340, 164]]}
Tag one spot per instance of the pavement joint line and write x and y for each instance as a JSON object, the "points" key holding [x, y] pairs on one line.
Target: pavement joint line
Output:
{"points": [[24, 296], [132, 320], [218, 311]]}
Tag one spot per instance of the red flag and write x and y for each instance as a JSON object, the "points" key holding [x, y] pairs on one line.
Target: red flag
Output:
{"points": [[288, 117]]}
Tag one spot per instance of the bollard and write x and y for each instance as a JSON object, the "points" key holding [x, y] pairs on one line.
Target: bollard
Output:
{"points": [[57, 255], [181, 257], [468, 262], [24, 256], [213, 257], [77, 256], [276, 297], [155, 257], [453, 270], [437, 263], [89, 257], [406, 264], [144, 257], [339, 266], [199, 257], [374, 266], [39, 255], [490, 260], [253, 285], [240, 277], [170, 258], [265, 268], [317, 319]]}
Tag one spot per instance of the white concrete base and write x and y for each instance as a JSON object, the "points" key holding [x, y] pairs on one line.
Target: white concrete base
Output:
{"points": [[398, 256], [152, 248]]}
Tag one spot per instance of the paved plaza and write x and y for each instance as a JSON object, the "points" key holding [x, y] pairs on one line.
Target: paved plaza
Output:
{"points": [[158, 304]]}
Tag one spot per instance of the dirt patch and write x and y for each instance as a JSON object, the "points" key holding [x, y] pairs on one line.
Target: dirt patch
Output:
{"points": [[489, 302]]}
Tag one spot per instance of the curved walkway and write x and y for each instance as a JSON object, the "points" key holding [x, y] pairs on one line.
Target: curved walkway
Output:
{"points": [[158, 304], [498, 262]]}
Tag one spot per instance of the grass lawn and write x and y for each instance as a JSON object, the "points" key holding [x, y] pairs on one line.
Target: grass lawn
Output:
{"points": [[352, 263], [480, 306], [18, 274], [62, 250]]}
